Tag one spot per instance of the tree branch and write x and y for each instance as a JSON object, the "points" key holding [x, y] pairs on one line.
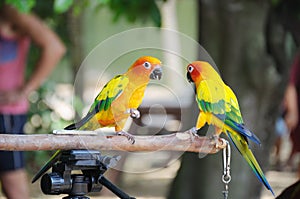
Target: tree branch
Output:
{"points": [[181, 141]]}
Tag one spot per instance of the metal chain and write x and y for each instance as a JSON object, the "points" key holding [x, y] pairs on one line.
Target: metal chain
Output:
{"points": [[226, 178]]}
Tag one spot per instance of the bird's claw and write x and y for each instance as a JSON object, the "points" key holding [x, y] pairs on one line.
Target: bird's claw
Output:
{"points": [[127, 135], [134, 113], [194, 131], [215, 139]]}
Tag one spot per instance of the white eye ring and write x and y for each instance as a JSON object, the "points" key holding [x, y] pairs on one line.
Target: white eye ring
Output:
{"points": [[190, 68], [147, 65]]}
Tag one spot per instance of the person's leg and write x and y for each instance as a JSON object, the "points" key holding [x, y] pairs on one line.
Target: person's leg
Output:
{"points": [[12, 173], [289, 162], [278, 143], [295, 148], [14, 184]]}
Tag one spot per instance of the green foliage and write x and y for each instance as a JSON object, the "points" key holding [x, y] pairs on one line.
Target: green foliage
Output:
{"points": [[56, 21], [135, 10], [61, 6], [155, 15], [275, 2], [132, 10], [22, 5]]}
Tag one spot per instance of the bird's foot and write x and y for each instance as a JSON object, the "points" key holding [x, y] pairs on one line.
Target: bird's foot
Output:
{"points": [[127, 135], [215, 139], [134, 113], [193, 131]]}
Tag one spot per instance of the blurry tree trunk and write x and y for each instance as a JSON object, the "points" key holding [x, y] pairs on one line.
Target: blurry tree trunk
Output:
{"points": [[233, 34], [74, 26]]}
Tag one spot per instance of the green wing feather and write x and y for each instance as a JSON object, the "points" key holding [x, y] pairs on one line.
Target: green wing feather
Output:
{"points": [[217, 98], [111, 91]]}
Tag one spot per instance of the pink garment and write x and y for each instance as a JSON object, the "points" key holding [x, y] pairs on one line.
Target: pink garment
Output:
{"points": [[295, 79], [13, 58], [295, 71]]}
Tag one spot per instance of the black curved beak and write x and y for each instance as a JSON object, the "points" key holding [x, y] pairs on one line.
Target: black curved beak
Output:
{"points": [[156, 73], [189, 78]]}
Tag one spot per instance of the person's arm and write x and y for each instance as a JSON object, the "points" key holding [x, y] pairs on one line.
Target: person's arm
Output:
{"points": [[52, 49], [291, 106]]}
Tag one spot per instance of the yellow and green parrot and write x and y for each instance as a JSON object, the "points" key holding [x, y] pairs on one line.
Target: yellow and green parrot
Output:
{"points": [[219, 107], [118, 100]]}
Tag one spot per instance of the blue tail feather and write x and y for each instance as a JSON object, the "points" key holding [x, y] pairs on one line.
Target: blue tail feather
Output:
{"points": [[240, 128]]}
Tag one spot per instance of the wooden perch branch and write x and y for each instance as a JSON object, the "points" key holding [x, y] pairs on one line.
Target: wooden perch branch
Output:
{"points": [[181, 141]]}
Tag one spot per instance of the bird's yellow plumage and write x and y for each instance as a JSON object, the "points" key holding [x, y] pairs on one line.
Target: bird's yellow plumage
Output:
{"points": [[117, 100], [121, 94], [219, 107]]}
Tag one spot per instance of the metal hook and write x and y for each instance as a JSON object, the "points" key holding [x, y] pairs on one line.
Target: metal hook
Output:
{"points": [[226, 178]]}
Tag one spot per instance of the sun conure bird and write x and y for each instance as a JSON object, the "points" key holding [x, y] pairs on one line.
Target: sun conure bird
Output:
{"points": [[117, 100], [219, 107]]}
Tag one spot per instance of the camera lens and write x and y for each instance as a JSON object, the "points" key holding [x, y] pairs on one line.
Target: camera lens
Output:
{"points": [[52, 183]]}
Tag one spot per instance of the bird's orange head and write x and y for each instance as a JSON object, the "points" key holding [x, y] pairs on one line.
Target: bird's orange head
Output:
{"points": [[147, 66], [200, 70]]}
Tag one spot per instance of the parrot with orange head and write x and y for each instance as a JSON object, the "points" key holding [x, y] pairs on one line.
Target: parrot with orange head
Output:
{"points": [[117, 100]]}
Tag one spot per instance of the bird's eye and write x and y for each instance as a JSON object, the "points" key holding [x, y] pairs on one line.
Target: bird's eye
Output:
{"points": [[147, 65], [190, 68]]}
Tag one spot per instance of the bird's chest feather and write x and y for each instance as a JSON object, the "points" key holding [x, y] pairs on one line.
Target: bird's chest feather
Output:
{"points": [[137, 97], [131, 97]]}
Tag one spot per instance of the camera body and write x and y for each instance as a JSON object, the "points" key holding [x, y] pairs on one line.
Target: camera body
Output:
{"points": [[76, 173]]}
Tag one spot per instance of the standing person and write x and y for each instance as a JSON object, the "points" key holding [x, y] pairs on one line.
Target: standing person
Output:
{"points": [[292, 105], [17, 30]]}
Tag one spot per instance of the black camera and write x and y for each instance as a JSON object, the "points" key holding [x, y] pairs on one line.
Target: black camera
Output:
{"points": [[78, 172]]}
